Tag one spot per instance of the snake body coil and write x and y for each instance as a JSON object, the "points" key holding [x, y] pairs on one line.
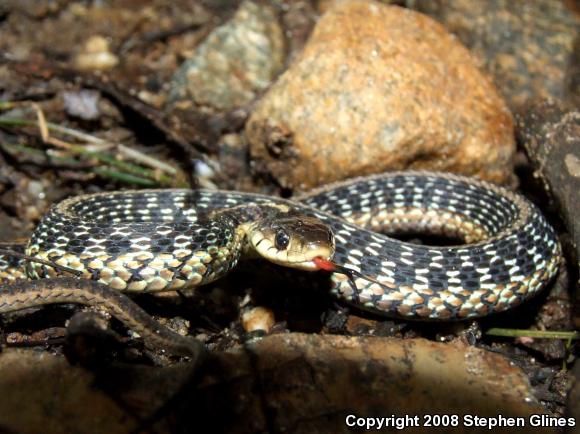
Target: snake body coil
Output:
{"points": [[154, 240]]}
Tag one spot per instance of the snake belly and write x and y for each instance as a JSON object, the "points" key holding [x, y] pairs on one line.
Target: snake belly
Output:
{"points": [[155, 240]]}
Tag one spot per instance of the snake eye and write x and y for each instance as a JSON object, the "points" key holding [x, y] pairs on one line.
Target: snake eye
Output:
{"points": [[282, 240]]}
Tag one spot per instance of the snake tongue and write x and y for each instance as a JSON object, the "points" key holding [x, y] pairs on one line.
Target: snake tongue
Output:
{"points": [[324, 264]]}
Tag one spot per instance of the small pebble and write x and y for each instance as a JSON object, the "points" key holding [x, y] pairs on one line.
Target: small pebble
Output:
{"points": [[95, 55], [83, 104], [258, 318]]}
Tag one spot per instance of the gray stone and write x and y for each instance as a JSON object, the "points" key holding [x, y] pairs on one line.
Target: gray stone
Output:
{"points": [[528, 46], [236, 62], [550, 134]]}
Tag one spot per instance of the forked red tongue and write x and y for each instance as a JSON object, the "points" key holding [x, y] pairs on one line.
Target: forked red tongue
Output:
{"points": [[324, 264]]}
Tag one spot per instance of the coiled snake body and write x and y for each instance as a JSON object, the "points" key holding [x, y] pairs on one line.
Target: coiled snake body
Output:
{"points": [[155, 240]]}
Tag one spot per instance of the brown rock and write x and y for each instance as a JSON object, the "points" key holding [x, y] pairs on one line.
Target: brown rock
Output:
{"points": [[550, 134], [289, 383], [574, 400], [42, 393], [380, 88]]}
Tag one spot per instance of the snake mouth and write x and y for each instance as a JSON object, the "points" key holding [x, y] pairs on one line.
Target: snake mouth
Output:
{"points": [[292, 240], [298, 252], [311, 261], [301, 259]]}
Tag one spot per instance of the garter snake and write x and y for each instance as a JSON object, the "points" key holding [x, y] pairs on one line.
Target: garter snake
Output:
{"points": [[156, 240]]}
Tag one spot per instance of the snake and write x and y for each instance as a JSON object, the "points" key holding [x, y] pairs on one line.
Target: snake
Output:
{"points": [[154, 240]]}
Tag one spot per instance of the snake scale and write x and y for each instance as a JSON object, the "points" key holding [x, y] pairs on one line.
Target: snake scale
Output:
{"points": [[156, 240]]}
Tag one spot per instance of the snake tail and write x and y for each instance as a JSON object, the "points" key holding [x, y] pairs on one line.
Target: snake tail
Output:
{"points": [[25, 294]]}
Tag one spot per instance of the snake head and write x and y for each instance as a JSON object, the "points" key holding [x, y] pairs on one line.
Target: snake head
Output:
{"points": [[292, 240]]}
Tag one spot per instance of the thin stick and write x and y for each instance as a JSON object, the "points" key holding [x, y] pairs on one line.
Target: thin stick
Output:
{"points": [[541, 334], [135, 170], [146, 159]]}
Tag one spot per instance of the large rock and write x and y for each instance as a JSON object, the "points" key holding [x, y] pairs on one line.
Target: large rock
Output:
{"points": [[291, 383], [380, 88]]}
